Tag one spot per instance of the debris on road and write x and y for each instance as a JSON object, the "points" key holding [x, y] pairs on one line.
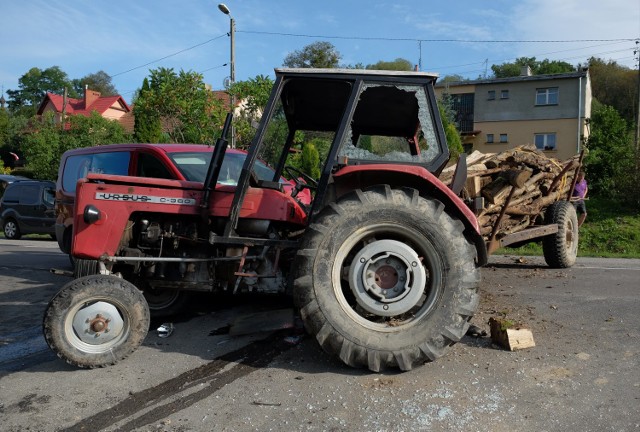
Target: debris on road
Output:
{"points": [[507, 334], [165, 330], [475, 331]]}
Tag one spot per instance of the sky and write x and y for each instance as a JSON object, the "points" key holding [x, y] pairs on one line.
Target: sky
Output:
{"points": [[127, 38]]}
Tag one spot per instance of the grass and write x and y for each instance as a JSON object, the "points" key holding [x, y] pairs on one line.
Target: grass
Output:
{"points": [[611, 230]]}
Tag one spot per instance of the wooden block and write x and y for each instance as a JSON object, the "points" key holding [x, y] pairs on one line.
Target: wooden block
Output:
{"points": [[505, 334], [473, 186]]}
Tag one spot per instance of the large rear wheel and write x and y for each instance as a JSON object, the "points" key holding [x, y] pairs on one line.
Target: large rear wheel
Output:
{"points": [[96, 321], [386, 278]]}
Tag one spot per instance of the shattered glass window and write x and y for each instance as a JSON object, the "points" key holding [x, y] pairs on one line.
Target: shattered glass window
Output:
{"points": [[392, 123]]}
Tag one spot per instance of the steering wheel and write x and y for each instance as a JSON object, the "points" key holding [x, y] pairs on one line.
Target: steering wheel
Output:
{"points": [[294, 173]]}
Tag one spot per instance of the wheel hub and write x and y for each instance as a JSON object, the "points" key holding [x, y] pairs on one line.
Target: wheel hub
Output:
{"points": [[387, 278], [98, 323]]}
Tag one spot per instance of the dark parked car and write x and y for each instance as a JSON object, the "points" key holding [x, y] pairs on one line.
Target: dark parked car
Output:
{"points": [[6, 179], [27, 207]]}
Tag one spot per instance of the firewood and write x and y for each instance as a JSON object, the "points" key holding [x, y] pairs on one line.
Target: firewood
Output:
{"points": [[517, 178]]}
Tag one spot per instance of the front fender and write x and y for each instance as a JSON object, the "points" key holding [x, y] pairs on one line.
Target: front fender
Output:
{"points": [[417, 177]]}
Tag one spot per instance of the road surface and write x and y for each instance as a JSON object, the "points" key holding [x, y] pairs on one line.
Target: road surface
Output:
{"points": [[582, 375]]}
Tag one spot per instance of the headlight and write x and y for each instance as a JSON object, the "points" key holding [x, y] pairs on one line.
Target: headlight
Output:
{"points": [[91, 214]]}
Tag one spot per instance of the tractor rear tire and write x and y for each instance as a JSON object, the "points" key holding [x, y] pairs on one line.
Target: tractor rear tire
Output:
{"points": [[561, 249], [96, 321], [385, 278]]}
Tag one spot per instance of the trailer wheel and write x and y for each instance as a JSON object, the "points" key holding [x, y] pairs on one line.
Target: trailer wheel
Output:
{"points": [[561, 249], [386, 278], [96, 321]]}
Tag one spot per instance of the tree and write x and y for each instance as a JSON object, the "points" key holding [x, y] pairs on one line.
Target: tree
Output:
{"points": [[46, 141], [254, 94], [398, 64], [315, 55], [543, 67], [147, 127], [12, 134], [615, 85], [610, 159], [550, 67], [454, 141], [452, 78], [99, 81], [33, 86], [188, 111]]}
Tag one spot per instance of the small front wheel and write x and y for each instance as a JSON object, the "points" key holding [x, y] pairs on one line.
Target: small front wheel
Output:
{"points": [[96, 321]]}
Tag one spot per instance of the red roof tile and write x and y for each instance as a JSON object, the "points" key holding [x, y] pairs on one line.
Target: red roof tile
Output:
{"points": [[77, 106]]}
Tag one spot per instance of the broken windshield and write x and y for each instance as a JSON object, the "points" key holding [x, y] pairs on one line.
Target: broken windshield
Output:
{"points": [[392, 123]]}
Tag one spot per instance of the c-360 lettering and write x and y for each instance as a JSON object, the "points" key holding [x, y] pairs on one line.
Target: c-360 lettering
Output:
{"points": [[144, 198]]}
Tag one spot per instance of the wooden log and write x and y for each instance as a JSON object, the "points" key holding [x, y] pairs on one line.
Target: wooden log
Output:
{"points": [[496, 191], [535, 207], [516, 178], [485, 172], [526, 197]]}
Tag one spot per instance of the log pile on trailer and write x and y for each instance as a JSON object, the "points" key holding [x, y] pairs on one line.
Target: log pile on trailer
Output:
{"points": [[515, 186]]}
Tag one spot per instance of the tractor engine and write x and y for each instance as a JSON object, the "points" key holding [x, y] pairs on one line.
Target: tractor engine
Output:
{"points": [[185, 258]]}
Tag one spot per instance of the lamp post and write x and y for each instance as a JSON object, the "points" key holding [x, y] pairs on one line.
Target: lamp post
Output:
{"points": [[232, 66]]}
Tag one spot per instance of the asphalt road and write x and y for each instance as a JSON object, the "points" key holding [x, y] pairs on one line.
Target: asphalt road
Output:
{"points": [[582, 375]]}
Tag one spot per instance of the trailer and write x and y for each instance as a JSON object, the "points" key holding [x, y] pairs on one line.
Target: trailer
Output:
{"points": [[521, 196]]}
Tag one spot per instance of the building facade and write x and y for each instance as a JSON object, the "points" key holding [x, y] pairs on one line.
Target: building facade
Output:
{"points": [[550, 111]]}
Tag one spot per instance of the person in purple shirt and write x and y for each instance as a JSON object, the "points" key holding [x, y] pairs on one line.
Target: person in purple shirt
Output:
{"points": [[579, 194]]}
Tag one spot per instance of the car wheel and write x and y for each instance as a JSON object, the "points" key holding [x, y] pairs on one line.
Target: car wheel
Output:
{"points": [[11, 229]]}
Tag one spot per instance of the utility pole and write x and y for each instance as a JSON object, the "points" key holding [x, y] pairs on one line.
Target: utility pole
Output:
{"points": [[637, 54], [232, 68]]}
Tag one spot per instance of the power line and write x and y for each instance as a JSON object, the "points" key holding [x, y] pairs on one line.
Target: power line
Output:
{"points": [[418, 40], [437, 40], [168, 56]]}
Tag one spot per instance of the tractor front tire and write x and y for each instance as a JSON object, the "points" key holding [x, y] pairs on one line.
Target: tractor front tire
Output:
{"points": [[385, 278], [96, 321], [561, 249]]}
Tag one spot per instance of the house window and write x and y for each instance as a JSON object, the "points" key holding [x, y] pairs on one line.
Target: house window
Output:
{"points": [[504, 138], [504, 94], [491, 95], [490, 138], [545, 141], [547, 96]]}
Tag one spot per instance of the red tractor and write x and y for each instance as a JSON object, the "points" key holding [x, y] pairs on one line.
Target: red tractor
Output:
{"points": [[383, 264]]}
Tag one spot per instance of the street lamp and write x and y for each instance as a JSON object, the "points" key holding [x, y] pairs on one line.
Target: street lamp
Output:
{"points": [[232, 67]]}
